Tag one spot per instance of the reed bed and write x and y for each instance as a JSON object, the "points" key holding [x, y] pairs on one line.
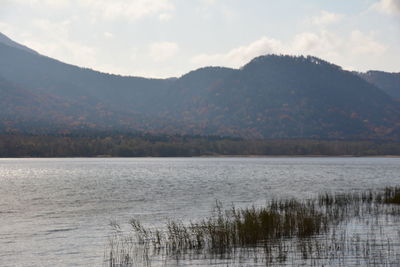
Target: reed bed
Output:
{"points": [[350, 229]]}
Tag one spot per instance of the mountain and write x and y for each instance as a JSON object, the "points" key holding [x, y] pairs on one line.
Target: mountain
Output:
{"points": [[7, 41], [388, 82], [39, 112], [85, 98], [270, 97], [22, 108], [293, 97]]}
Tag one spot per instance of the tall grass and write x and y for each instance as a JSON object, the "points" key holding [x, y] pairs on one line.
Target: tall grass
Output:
{"points": [[392, 196], [280, 232]]}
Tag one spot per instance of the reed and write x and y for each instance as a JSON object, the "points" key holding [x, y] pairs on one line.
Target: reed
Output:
{"points": [[392, 195], [308, 230]]}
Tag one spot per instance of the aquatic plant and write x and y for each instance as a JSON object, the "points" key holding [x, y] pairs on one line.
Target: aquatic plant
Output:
{"points": [[392, 196], [283, 231]]}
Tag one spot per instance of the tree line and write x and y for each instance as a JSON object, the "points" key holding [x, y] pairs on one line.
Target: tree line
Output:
{"points": [[182, 146]]}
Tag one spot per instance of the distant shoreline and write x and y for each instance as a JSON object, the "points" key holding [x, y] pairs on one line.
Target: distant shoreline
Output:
{"points": [[27, 146], [210, 157]]}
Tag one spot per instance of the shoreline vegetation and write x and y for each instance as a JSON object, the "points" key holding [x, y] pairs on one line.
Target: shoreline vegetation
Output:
{"points": [[346, 229], [143, 145]]}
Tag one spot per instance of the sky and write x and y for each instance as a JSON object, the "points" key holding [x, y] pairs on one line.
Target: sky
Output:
{"points": [[168, 38]]}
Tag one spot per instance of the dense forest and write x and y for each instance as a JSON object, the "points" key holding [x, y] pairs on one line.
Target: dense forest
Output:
{"points": [[78, 145], [271, 97], [388, 82]]}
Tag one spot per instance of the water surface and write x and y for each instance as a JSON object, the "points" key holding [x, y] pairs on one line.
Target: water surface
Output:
{"points": [[55, 212]]}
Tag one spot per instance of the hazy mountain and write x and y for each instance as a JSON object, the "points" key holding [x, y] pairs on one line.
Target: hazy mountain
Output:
{"points": [[40, 112], [21, 108], [7, 41], [283, 96], [270, 97], [388, 82]]}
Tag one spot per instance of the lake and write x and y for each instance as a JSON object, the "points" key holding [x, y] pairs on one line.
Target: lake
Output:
{"points": [[56, 212]]}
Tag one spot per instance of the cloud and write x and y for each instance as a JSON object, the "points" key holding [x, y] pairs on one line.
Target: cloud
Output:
{"points": [[53, 39], [354, 48], [162, 51], [134, 53], [323, 43], [330, 46], [127, 9], [165, 17], [326, 18], [390, 7], [208, 2], [108, 35], [106, 9], [51, 3], [363, 44], [67, 51], [240, 55], [5, 28]]}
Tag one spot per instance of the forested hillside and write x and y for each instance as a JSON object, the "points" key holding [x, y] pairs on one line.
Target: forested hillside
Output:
{"points": [[270, 97], [388, 82]]}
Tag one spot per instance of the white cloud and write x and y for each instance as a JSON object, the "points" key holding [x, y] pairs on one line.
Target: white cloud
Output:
{"points": [[209, 2], [356, 47], [126, 9], [59, 30], [326, 18], [334, 47], [107, 9], [51, 3], [5, 28], [162, 51], [324, 44], [240, 55], [165, 17], [53, 40], [108, 35], [229, 14], [390, 7], [134, 53], [67, 51], [363, 44]]}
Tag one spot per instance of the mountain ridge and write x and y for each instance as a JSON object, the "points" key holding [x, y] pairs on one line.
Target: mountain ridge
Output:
{"points": [[270, 97], [387, 81], [7, 41]]}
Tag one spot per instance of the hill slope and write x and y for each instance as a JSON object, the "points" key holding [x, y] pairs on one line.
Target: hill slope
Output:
{"points": [[294, 97], [30, 111], [270, 97], [7, 41], [388, 82]]}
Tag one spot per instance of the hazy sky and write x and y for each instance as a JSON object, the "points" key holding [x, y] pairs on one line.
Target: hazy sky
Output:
{"points": [[163, 38]]}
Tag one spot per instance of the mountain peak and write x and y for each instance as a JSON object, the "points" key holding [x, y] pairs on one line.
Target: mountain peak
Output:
{"points": [[7, 41], [207, 71], [284, 59]]}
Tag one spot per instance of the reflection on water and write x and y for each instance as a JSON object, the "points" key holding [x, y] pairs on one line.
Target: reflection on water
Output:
{"points": [[56, 212]]}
